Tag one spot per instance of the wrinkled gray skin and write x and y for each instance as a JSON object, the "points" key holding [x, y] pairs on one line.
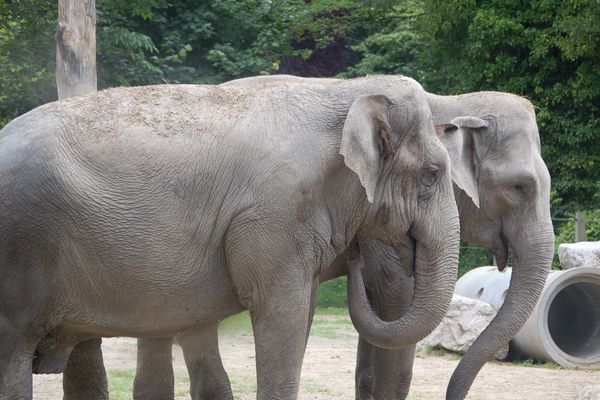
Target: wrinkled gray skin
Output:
{"points": [[502, 190], [148, 212]]}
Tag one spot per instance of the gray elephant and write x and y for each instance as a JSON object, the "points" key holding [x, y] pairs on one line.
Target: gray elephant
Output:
{"points": [[502, 189], [150, 211]]}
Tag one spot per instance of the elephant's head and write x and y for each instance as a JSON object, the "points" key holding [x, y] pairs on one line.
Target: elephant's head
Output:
{"points": [[502, 188], [390, 143]]}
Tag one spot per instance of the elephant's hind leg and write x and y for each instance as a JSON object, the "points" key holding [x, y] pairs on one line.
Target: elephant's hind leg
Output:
{"points": [[85, 377], [16, 356], [208, 379]]}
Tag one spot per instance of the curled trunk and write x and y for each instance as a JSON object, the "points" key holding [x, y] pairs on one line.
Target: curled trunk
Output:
{"points": [[435, 275]]}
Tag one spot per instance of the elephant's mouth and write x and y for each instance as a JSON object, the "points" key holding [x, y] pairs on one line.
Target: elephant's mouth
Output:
{"points": [[500, 250], [406, 252]]}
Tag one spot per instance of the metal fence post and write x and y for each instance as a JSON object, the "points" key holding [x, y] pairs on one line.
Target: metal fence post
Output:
{"points": [[580, 234]]}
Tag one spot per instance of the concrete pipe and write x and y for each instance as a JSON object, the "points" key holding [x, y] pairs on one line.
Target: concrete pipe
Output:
{"points": [[564, 327]]}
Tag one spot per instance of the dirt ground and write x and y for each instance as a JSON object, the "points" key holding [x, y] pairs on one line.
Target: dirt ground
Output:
{"points": [[329, 367]]}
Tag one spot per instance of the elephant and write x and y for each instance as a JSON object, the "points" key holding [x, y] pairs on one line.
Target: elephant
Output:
{"points": [[502, 190], [151, 211]]}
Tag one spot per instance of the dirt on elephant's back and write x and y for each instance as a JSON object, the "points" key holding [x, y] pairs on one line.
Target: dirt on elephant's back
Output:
{"points": [[328, 373]]}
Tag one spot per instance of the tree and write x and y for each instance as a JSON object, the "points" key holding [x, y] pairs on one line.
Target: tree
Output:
{"points": [[547, 51], [27, 50], [76, 48]]}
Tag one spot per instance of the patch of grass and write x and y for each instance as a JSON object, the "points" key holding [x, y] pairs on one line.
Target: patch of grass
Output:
{"points": [[534, 363], [236, 324], [120, 384], [310, 386], [435, 351], [182, 386], [328, 322], [243, 384], [332, 323], [332, 311]]}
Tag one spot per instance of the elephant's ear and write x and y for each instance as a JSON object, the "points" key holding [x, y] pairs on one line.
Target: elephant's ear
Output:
{"points": [[457, 136], [367, 139]]}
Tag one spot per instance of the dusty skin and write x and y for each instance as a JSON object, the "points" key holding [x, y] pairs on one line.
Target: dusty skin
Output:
{"points": [[328, 370]]}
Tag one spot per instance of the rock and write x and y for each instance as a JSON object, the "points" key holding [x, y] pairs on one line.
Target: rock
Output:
{"points": [[465, 320], [590, 392], [582, 254]]}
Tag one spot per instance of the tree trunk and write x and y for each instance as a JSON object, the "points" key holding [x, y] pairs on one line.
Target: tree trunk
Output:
{"points": [[76, 48]]}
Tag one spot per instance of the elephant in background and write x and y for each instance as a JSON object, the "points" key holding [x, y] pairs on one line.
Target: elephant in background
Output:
{"points": [[156, 210], [502, 190]]}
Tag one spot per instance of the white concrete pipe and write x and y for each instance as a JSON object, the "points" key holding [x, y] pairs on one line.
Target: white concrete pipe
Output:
{"points": [[565, 324]]}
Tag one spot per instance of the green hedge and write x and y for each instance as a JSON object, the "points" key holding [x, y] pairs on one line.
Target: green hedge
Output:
{"points": [[333, 293]]}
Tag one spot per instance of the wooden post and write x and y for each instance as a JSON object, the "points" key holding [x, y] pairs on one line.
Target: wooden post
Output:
{"points": [[580, 233], [76, 48]]}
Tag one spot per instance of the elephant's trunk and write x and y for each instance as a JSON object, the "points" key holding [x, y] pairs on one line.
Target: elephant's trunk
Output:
{"points": [[435, 276], [533, 249]]}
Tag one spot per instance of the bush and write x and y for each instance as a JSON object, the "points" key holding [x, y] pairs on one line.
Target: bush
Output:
{"points": [[471, 257], [333, 293]]}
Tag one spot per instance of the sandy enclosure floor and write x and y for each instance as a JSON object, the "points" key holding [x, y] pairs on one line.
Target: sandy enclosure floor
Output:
{"points": [[328, 373]]}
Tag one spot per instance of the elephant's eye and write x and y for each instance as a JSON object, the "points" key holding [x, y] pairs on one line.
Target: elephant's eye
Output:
{"points": [[429, 175]]}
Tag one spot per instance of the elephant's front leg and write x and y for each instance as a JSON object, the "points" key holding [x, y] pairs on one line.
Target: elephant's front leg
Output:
{"points": [[16, 355], [208, 379], [154, 375], [364, 374], [280, 320]]}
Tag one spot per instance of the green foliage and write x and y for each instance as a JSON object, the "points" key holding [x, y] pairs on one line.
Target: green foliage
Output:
{"points": [[27, 56], [333, 293], [547, 51], [472, 257], [393, 48], [592, 228], [566, 232], [120, 384], [236, 324]]}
